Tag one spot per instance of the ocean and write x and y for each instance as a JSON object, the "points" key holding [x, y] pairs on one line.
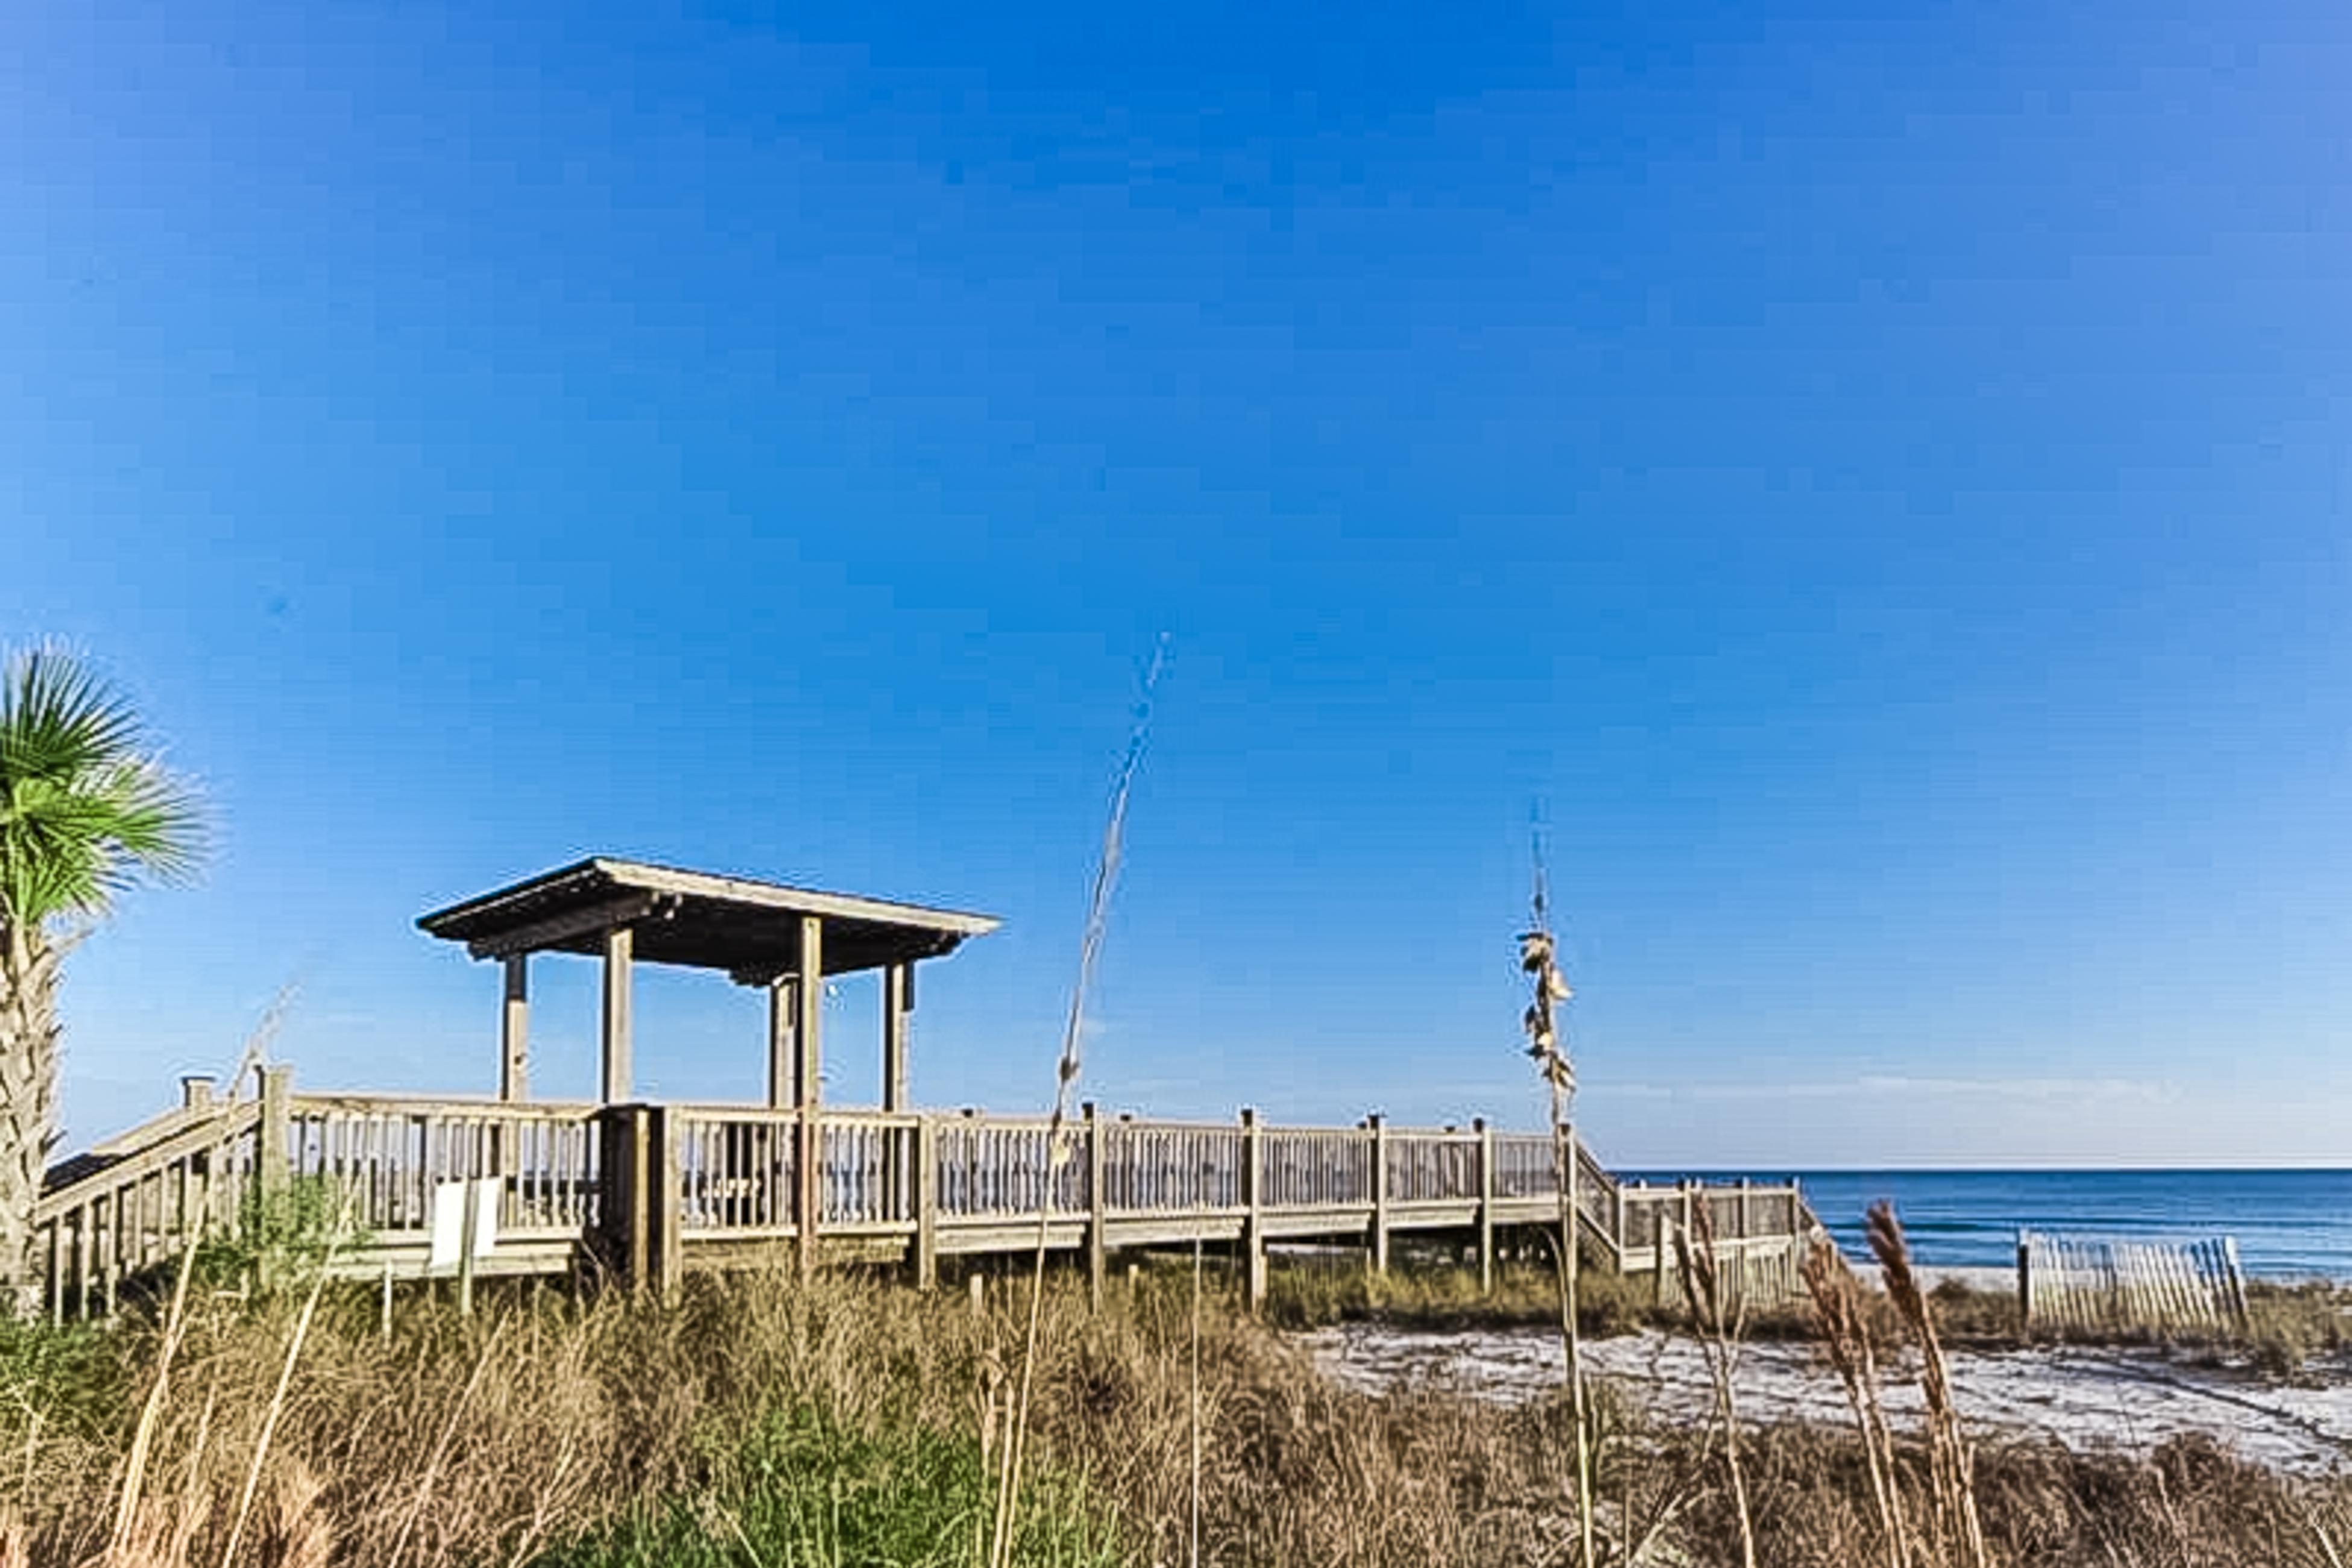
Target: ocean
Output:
{"points": [[2290, 1224]]}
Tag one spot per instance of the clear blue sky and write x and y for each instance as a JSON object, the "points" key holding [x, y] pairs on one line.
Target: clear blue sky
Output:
{"points": [[1880, 485]]}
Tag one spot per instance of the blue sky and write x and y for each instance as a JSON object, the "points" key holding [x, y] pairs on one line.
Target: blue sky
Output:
{"points": [[1879, 483]]}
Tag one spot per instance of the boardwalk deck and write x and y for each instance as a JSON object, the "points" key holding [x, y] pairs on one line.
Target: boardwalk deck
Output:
{"points": [[647, 1192]]}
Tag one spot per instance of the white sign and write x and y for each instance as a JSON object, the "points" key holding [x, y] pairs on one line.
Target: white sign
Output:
{"points": [[449, 1221]]}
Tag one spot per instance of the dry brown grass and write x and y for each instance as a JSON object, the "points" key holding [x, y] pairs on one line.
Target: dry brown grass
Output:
{"points": [[2190, 1505], [1852, 1349], [2289, 1326], [482, 1443], [1720, 1326], [1447, 1296], [1957, 1533]]}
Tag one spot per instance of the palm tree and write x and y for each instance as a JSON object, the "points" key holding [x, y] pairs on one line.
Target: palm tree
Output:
{"points": [[86, 808]]}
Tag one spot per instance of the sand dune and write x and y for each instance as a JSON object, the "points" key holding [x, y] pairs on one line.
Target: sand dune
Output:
{"points": [[2120, 1399]]}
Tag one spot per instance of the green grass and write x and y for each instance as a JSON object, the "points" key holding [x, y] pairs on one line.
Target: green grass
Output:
{"points": [[1448, 1298], [278, 1238], [71, 1379], [804, 1493], [2289, 1325]]}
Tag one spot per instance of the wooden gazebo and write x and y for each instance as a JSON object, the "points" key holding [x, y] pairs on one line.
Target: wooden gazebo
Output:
{"points": [[783, 939]]}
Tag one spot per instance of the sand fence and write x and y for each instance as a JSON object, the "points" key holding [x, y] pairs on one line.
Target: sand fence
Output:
{"points": [[2086, 1283]]}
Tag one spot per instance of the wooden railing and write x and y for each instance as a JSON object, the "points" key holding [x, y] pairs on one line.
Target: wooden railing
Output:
{"points": [[870, 1175], [656, 1188], [386, 1155], [1737, 1214], [1171, 1167], [1432, 1167], [1527, 1167], [136, 1211], [1314, 1168], [1000, 1169], [735, 1169]]}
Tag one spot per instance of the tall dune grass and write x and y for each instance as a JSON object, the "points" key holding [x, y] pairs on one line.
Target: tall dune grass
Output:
{"points": [[761, 1421]]}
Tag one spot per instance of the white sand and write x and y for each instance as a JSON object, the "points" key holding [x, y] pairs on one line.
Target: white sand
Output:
{"points": [[2126, 1400], [1998, 1281]]}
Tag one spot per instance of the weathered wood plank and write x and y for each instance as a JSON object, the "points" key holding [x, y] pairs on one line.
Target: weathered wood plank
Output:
{"points": [[596, 920], [514, 1030], [808, 1030], [617, 1035]]}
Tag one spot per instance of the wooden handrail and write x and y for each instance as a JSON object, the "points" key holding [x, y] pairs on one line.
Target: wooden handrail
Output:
{"points": [[313, 1103], [155, 1129], [234, 1119]]}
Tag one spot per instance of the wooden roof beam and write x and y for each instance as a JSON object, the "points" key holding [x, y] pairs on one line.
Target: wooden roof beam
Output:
{"points": [[570, 926]]}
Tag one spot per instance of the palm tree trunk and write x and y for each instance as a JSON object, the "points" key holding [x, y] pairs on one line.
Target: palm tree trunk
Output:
{"points": [[29, 1032]]}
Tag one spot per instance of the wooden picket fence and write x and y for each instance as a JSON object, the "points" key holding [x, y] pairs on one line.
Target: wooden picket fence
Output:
{"points": [[2075, 1282]]}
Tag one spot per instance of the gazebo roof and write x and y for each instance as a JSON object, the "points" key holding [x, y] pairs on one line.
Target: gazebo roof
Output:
{"points": [[698, 919]]}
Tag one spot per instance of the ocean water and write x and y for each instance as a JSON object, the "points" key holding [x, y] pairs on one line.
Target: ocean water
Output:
{"points": [[2289, 1224]]}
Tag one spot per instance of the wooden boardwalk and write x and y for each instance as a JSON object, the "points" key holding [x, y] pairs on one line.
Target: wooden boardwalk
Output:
{"points": [[643, 1193]]}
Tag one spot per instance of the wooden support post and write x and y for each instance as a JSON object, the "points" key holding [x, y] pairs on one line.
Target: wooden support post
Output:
{"points": [[271, 1169], [85, 1257], [666, 1246], [926, 1204], [897, 1023], [1486, 1205], [898, 1008], [1098, 1208], [808, 1014], [620, 950], [470, 1207], [1619, 1206], [783, 1046], [1379, 1125], [1254, 1208], [808, 1025], [2025, 1281], [2237, 1277], [154, 1240], [514, 1030], [625, 1197], [1689, 1231]]}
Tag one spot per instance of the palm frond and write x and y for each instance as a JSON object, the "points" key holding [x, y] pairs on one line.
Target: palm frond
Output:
{"points": [[86, 807], [58, 718]]}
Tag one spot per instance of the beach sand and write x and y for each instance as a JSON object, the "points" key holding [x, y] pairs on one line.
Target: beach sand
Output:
{"points": [[1999, 1282], [2123, 1400]]}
